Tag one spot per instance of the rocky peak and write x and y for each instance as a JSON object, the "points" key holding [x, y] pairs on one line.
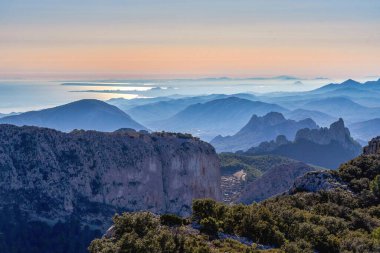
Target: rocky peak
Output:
{"points": [[373, 147], [350, 82], [337, 132], [281, 140], [274, 118]]}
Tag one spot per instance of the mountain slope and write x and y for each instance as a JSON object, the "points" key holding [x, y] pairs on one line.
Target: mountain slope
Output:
{"points": [[275, 181], [88, 114], [255, 178], [221, 116], [343, 107], [260, 129], [366, 130], [322, 119], [162, 110], [148, 114]]}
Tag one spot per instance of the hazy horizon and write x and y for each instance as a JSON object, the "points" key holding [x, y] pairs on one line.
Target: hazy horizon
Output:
{"points": [[25, 95]]}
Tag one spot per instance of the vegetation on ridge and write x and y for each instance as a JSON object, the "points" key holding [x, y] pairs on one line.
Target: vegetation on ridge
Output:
{"points": [[326, 221]]}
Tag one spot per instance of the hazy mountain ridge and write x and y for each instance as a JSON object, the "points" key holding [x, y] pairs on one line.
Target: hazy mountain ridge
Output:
{"points": [[365, 130], [148, 114], [87, 114], [220, 116], [2, 115], [260, 129], [361, 98], [322, 119], [350, 83]]}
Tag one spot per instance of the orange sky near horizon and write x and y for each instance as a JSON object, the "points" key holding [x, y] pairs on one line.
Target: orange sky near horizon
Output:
{"points": [[163, 61], [249, 38]]}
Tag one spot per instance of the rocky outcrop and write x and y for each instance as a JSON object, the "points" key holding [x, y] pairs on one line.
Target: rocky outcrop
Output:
{"points": [[268, 146], [275, 181], [318, 181], [373, 147], [52, 175]]}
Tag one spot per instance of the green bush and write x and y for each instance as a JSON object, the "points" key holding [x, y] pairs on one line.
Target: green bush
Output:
{"points": [[209, 226], [171, 220]]}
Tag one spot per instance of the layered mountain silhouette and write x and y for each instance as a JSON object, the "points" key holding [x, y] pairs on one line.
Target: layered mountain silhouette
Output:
{"points": [[343, 107], [220, 116], [326, 147], [148, 114], [366, 130], [87, 114], [350, 84], [2, 115], [260, 129], [322, 119], [350, 100]]}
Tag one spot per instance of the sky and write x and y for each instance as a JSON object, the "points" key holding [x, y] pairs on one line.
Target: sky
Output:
{"points": [[71, 39]]}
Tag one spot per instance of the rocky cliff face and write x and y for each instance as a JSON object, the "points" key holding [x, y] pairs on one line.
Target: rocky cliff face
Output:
{"points": [[52, 175], [275, 181], [318, 181], [373, 147]]}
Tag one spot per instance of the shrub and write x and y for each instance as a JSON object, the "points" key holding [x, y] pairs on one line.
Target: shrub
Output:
{"points": [[203, 208], [375, 186], [209, 226], [171, 220]]}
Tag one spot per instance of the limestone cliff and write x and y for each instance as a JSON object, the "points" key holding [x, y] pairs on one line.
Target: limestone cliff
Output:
{"points": [[52, 175]]}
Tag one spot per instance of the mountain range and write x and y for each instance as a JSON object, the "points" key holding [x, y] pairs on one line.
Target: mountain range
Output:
{"points": [[216, 117], [260, 129], [88, 114], [64, 185], [149, 114]]}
